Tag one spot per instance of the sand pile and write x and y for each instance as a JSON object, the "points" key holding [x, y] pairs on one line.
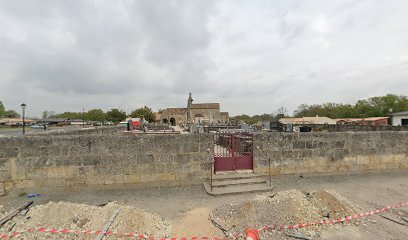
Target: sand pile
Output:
{"points": [[286, 207], [84, 217]]}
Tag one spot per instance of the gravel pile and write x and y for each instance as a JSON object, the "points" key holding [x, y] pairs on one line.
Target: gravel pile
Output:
{"points": [[84, 217], [286, 207]]}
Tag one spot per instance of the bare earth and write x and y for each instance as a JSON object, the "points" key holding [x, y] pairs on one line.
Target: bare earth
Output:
{"points": [[185, 211]]}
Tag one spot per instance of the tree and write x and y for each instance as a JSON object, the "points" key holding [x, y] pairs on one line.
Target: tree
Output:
{"points": [[11, 114], [246, 119], [45, 115], [2, 111], [115, 115], [70, 115], [145, 112], [95, 115], [52, 114], [371, 107], [281, 112]]}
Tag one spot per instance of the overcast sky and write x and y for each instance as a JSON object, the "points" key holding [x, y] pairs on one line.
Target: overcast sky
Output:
{"points": [[251, 56]]}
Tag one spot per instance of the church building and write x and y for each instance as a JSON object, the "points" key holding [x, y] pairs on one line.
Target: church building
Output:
{"points": [[204, 113]]}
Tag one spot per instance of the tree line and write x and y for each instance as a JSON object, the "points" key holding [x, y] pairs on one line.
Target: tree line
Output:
{"points": [[371, 107], [380, 106], [7, 113], [114, 115]]}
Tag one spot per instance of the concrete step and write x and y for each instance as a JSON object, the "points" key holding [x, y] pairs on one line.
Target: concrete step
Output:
{"points": [[237, 189], [235, 176], [240, 181]]}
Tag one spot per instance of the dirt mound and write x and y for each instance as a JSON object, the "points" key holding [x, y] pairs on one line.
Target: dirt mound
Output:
{"points": [[286, 207], [331, 204], [194, 223], [84, 217]]}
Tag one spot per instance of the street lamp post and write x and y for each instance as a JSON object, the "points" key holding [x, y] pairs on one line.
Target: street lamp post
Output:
{"points": [[23, 106]]}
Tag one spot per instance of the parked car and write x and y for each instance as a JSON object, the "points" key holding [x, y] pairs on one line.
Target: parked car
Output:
{"points": [[37, 127]]}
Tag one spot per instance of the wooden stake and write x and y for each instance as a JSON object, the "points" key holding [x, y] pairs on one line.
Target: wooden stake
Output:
{"points": [[14, 213], [108, 224]]}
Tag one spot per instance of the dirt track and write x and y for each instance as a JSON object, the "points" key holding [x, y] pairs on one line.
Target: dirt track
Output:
{"points": [[187, 208]]}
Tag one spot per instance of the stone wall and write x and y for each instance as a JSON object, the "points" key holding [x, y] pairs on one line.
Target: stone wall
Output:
{"points": [[332, 152], [67, 160], [108, 157]]}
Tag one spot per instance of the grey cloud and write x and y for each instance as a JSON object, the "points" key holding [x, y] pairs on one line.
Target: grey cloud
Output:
{"points": [[170, 36], [252, 56]]}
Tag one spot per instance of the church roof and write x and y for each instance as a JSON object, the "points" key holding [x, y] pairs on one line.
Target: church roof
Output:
{"points": [[205, 106]]}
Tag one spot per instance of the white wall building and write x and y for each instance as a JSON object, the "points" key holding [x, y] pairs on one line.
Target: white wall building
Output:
{"points": [[399, 118]]}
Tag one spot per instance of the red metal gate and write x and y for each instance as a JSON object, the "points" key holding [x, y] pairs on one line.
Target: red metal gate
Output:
{"points": [[233, 151]]}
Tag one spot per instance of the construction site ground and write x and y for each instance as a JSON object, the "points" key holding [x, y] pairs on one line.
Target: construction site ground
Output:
{"points": [[186, 209]]}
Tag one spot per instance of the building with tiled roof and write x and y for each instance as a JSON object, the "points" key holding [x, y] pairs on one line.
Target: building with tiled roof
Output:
{"points": [[204, 113], [370, 121]]}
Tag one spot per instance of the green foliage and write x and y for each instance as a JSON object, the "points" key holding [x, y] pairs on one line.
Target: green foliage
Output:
{"points": [[255, 119], [2, 110], [145, 112], [245, 118], [45, 115], [95, 115], [71, 115], [115, 115], [11, 114], [372, 107]]}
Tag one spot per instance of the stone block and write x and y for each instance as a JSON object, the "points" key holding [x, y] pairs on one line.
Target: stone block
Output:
{"points": [[206, 166], [158, 168], [182, 158], [37, 173], [204, 146], [95, 180], [5, 175], [8, 152], [113, 179], [2, 189], [392, 165], [148, 178], [61, 172], [143, 158], [370, 151], [362, 160], [306, 153], [200, 157], [288, 169], [399, 157], [77, 181], [24, 184], [338, 144], [29, 152], [311, 145], [299, 145], [166, 177], [163, 158], [322, 144], [131, 178]]}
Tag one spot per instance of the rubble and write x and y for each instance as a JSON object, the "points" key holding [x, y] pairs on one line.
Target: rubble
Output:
{"points": [[64, 215], [286, 207]]}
